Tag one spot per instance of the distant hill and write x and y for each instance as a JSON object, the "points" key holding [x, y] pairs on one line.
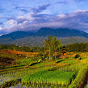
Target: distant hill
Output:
{"points": [[67, 36], [16, 35], [37, 41], [60, 32]]}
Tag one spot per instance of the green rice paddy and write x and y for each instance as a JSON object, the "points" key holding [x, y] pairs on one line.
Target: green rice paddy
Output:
{"points": [[53, 77], [64, 73]]}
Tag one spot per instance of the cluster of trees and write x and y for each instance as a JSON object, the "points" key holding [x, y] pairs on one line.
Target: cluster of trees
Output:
{"points": [[77, 47], [22, 48], [51, 45]]}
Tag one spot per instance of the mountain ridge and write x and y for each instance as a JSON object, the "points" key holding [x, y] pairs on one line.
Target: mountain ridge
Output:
{"points": [[59, 32], [68, 36]]}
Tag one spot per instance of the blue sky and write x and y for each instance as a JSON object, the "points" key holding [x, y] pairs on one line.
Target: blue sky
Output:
{"points": [[30, 15]]}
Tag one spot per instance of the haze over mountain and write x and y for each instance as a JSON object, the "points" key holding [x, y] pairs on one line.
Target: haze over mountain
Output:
{"points": [[67, 36]]}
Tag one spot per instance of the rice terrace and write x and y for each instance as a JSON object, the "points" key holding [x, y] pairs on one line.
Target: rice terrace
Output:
{"points": [[43, 43], [51, 66]]}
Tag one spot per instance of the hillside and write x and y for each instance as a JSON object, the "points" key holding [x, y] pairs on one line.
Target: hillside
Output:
{"points": [[60, 32], [67, 36], [39, 41]]}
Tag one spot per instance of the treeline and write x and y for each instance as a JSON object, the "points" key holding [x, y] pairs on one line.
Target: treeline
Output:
{"points": [[76, 47], [20, 48]]}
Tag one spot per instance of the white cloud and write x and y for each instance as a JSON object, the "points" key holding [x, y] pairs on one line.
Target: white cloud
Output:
{"points": [[76, 20], [0, 28], [62, 15], [11, 22]]}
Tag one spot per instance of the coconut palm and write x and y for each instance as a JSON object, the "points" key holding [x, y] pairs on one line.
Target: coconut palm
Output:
{"points": [[52, 44], [56, 44]]}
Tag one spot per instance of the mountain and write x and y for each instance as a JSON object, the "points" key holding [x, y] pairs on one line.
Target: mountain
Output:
{"points": [[67, 36], [16, 35], [60, 32]]}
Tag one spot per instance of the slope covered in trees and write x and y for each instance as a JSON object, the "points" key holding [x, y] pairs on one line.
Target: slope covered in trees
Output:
{"points": [[36, 39], [39, 41]]}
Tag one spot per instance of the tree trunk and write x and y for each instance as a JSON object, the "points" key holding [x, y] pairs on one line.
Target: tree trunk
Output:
{"points": [[49, 53], [55, 55]]}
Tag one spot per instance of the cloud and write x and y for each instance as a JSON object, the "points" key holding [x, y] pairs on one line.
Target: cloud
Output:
{"points": [[35, 21], [11, 22], [1, 17], [40, 8], [41, 18], [10, 18], [1, 23], [21, 19], [0, 28], [62, 2], [76, 20], [23, 9], [80, 0]]}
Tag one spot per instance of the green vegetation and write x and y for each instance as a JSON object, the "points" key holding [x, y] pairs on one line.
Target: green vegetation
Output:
{"points": [[14, 56], [52, 77], [24, 61], [11, 83], [45, 63], [75, 47], [79, 79], [69, 61], [46, 67], [55, 73], [52, 44], [21, 48], [77, 56], [86, 86]]}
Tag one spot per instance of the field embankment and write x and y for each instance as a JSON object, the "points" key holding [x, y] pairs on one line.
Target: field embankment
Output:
{"points": [[66, 71]]}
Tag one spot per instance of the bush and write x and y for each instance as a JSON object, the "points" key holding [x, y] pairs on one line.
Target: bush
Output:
{"points": [[77, 56]]}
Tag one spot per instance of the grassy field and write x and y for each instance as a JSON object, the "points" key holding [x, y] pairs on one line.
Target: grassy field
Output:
{"points": [[64, 72], [51, 77]]}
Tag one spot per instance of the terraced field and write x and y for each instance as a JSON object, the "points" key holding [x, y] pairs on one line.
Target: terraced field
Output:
{"points": [[62, 72]]}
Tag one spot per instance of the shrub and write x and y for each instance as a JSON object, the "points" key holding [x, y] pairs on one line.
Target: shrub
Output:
{"points": [[77, 56]]}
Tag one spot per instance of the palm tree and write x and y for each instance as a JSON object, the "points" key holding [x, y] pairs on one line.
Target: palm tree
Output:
{"points": [[48, 44], [52, 44], [56, 44]]}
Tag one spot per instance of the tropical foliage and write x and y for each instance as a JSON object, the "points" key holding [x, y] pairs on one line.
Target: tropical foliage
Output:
{"points": [[51, 45]]}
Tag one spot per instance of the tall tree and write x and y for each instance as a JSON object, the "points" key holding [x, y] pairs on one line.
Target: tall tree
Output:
{"points": [[52, 44], [48, 44], [56, 44]]}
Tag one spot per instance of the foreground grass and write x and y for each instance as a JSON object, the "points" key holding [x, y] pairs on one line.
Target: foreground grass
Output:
{"points": [[78, 82], [52, 77], [57, 72]]}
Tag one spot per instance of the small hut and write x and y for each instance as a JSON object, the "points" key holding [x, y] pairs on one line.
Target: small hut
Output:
{"points": [[64, 52]]}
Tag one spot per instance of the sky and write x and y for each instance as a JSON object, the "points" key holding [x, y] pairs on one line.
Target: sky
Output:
{"points": [[31, 15]]}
